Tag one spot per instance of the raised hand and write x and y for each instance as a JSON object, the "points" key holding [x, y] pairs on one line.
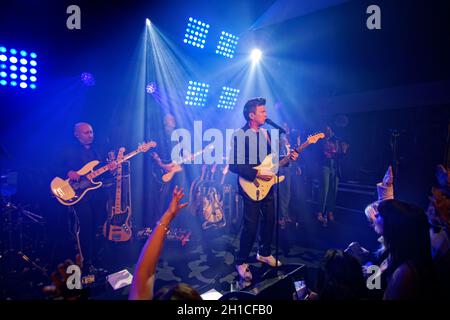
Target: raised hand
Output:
{"points": [[175, 206]]}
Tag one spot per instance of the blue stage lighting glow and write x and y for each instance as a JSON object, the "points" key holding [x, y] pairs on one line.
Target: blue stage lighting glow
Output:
{"points": [[33, 79], [15, 74], [23, 61], [3, 82], [13, 51], [3, 57], [33, 63], [23, 77], [13, 83], [23, 85], [13, 68], [196, 94], [196, 31], [33, 55], [32, 86], [2, 66], [13, 59], [3, 74], [2, 49], [33, 71], [227, 44], [23, 53], [228, 98], [23, 69]]}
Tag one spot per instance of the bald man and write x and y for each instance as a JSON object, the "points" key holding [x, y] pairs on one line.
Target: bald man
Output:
{"points": [[90, 211], [85, 134]]}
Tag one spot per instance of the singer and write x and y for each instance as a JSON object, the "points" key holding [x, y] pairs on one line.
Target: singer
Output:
{"points": [[255, 114]]}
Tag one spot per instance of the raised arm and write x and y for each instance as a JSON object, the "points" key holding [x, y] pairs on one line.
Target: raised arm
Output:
{"points": [[144, 275]]}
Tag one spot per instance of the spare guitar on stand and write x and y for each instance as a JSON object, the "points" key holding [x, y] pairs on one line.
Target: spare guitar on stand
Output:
{"points": [[117, 227]]}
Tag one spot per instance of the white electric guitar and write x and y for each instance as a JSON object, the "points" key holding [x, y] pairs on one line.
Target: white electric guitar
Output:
{"points": [[69, 192], [164, 176], [258, 188]]}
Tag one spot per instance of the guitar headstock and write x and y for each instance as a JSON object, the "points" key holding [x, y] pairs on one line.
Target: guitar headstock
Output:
{"points": [[315, 137], [144, 147]]}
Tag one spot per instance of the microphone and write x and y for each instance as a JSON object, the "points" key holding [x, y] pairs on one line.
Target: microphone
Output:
{"points": [[273, 124]]}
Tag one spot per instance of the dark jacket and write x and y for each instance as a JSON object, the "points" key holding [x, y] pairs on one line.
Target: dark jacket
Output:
{"points": [[245, 167]]}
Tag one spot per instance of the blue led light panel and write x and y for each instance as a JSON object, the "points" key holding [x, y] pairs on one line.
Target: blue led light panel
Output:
{"points": [[228, 98], [17, 68], [227, 44], [196, 33], [197, 94]]}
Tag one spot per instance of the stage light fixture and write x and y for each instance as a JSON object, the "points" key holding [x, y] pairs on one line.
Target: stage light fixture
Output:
{"points": [[86, 77], [151, 88], [227, 44], [13, 73], [228, 98], [197, 94], [256, 55], [196, 33]]}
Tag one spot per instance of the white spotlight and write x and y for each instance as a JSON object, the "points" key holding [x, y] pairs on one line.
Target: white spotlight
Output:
{"points": [[147, 22], [256, 55]]}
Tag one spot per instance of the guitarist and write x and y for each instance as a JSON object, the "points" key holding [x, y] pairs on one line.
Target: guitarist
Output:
{"points": [[162, 159], [255, 114], [90, 212]]}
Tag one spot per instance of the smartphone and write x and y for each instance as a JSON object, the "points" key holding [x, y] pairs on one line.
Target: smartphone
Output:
{"points": [[300, 289]]}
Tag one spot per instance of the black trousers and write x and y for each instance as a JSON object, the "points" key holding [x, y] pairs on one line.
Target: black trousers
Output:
{"points": [[254, 212], [91, 214]]}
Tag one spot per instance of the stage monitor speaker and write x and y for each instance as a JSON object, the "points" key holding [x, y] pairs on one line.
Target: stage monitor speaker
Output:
{"points": [[277, 284]]}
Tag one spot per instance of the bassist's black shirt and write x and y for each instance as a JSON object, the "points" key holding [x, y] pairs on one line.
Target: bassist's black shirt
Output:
{"points": [[75, 156]]}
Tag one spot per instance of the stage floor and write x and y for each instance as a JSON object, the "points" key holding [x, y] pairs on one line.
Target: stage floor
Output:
{"points": [[207, 261]]}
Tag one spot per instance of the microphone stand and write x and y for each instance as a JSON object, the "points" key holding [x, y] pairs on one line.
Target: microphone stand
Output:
{"points": [[277, 217]]}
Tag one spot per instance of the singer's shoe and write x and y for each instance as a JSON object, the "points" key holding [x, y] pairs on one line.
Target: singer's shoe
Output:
{"points": [[330, 216], [244, 272], [322, 219], [270, 260]]}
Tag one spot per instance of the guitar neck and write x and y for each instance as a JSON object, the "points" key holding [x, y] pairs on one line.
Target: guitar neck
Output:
{"points": [[286, 159], [118, 190], [193, 156], [105, 168]]}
